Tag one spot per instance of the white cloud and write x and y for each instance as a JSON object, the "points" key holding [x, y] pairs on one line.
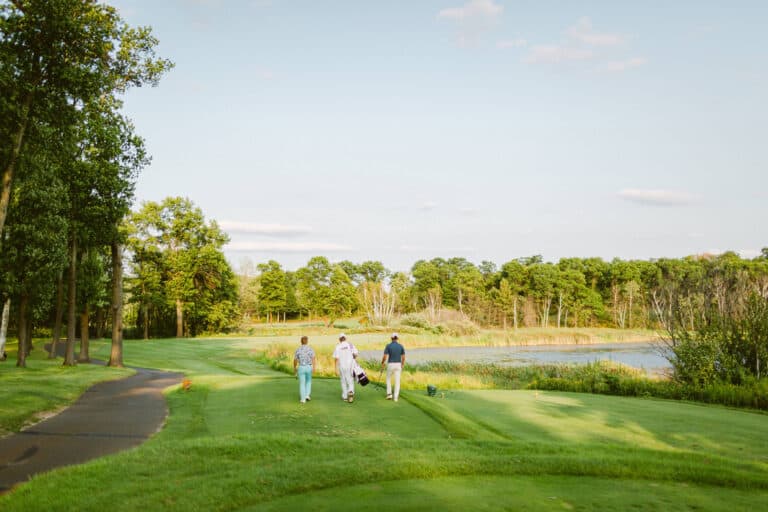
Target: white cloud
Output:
{"points": [[284, 247], [512, 43], [656, 197], [580, 43], [583, 32], [556, 54], [474, 18], [485, 9], [469, 211], [264, 229], [623, 65], [429, 205]]}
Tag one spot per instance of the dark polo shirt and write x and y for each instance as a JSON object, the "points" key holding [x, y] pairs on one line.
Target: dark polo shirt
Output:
{"points": [[395, 351]]}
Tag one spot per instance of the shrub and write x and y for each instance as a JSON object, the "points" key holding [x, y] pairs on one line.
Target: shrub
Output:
{"points": [[415, 320]]}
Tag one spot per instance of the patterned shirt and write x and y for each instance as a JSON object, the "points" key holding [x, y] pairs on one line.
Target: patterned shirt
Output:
{"points": [[304, 354]]}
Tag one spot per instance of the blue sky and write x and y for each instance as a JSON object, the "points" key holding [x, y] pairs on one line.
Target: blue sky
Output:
{"points": [[485, 129]]}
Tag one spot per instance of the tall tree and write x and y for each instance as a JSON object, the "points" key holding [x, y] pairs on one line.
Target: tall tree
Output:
{"points": [[272, 292], [194, 269], [56, 57], [34, 246], [312, 285]]}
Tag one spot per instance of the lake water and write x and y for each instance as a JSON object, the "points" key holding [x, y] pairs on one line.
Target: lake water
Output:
{"points": [[639, 355]]}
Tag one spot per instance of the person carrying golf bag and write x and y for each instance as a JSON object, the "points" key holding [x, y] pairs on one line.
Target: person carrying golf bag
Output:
{"points": [[394, 358], [344, 356]]}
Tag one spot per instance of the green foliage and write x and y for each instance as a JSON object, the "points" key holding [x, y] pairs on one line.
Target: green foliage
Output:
{"points": [[728, 345], [177, 259]]}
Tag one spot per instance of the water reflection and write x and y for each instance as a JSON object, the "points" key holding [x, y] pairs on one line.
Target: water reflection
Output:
{"points": [[638, 355]]}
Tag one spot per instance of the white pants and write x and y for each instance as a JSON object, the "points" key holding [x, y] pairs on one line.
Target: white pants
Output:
{"points": [[394, 370], [347, 382]]}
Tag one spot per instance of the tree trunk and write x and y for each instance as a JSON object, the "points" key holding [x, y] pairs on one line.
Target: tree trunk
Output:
{"points": [[179, 319], [18, 140], [514, 311], [99, 323], [28, 342], [21, 354], [146, 321], [69, 356], [59, 313], [4, 328], [85, 356], [116, 354]]}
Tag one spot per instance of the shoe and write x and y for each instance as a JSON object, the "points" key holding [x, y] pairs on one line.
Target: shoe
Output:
{"points": [[389, 397], [301, 401], [395, 400], [309, 399], [343, 399], [351, 397]]}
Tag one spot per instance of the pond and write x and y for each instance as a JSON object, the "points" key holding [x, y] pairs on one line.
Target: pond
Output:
{"points": [[638, 355]]}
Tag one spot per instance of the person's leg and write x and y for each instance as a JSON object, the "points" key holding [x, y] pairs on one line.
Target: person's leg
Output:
{"points": [[389, 381], [300, 376], [344, 374], [305, 373], [397, 370], [351, 377], [348, 388], [309, 382]]}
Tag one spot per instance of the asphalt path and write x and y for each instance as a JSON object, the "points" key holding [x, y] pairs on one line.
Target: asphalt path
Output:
{"points": [[109, 417]]}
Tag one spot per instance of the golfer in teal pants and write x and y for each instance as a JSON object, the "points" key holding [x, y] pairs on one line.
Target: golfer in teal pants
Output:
{"points": [[303, 363]]}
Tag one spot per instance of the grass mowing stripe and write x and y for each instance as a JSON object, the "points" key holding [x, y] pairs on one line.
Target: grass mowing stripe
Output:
{"points": [[242, 442]]}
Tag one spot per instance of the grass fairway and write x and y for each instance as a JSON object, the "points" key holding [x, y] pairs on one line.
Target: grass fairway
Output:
{"points": [[239, 440]]}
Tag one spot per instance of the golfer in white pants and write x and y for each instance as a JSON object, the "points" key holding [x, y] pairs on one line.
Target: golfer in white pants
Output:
{"points": [[344, 356], [394, 358]]}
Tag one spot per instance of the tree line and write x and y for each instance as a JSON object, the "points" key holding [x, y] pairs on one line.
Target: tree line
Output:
{"points": [[69, 160], [523, 292]]}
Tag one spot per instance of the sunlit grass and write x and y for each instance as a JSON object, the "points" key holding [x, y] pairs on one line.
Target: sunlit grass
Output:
{"points": [[44, 386], [239, 440]]}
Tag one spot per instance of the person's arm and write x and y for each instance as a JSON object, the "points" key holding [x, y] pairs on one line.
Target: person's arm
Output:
{"points": [[402, 360], [336, 366], [295, 364], [384, 359], [314, 363]]}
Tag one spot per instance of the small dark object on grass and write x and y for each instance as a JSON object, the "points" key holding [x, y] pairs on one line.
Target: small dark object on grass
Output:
{"points": [[431, 390]]}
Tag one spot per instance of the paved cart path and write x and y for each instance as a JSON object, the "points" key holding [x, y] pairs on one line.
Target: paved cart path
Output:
{"points": [[109, 417]]}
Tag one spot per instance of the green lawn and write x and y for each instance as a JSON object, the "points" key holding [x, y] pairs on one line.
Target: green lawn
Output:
{"points": [[239, 440], [43, 386]]}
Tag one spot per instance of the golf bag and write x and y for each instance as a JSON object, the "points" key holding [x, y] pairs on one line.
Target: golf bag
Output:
{"points": [[360, 375]]}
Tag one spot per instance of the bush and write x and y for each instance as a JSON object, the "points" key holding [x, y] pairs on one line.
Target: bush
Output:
{"points": [[415, 320], [459, 328]]}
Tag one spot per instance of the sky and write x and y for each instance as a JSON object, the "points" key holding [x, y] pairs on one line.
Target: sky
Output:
{"points": [[484, 129]]}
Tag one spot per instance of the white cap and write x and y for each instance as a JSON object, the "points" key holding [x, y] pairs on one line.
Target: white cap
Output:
{"points": [[394, 335], [342, 335]]}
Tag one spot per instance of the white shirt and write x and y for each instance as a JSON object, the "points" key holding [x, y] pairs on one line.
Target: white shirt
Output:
{"points": [[345, 352]]}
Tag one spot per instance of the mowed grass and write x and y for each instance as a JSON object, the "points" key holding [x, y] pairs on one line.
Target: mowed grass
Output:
{"points": [[43, 386], [239, 440]]}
